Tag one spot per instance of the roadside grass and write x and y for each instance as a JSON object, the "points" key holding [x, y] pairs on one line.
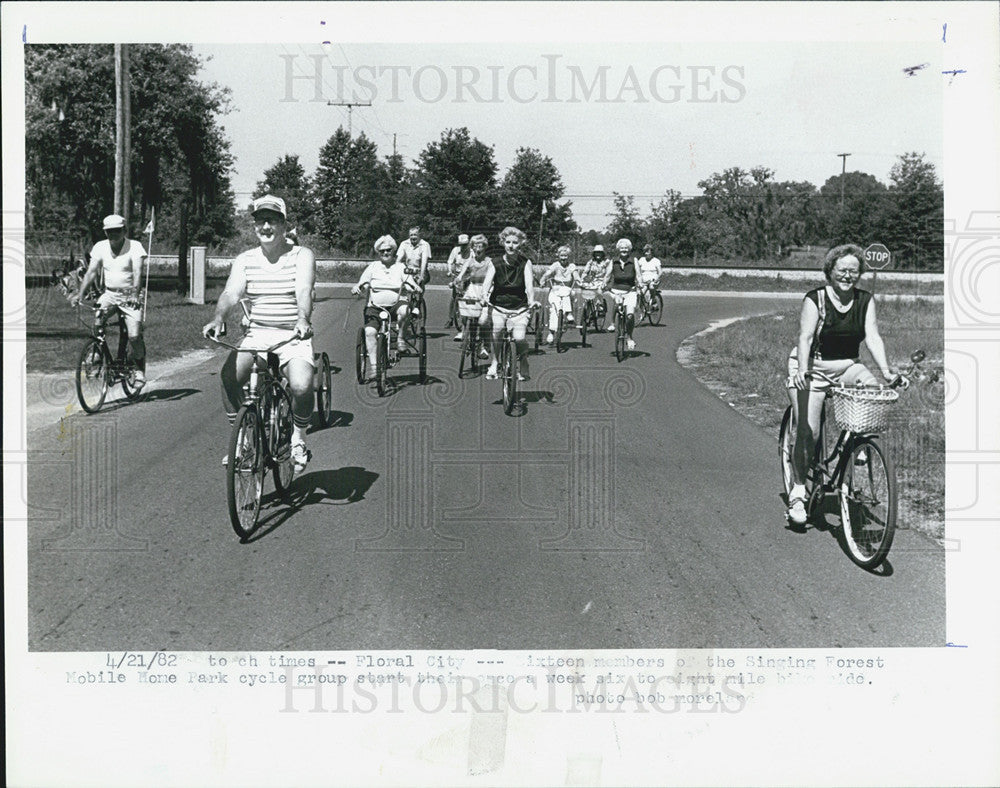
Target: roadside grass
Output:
{"points": [[745, 364], [673, 280]]}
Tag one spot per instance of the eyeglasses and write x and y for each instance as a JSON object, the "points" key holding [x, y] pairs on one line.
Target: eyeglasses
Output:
{"points": [[385, 251], [851, 273]]}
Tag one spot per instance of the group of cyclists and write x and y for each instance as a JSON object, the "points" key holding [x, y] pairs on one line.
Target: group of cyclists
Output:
{"points": [[278, 279]]}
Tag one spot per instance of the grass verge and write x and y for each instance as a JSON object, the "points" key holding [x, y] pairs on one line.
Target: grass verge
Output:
{"points": [[745, 362]]}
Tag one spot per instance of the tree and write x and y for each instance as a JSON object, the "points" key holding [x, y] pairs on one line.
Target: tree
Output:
{"points": [[349, 187], [663, 225], [864, 216], [287, 179], [916, 228], [179, 153], [626, 221], [454, 187], [531, 181]]}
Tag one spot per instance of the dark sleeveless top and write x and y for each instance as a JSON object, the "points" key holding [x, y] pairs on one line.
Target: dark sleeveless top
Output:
{"points": [[509, 287], [623, 276], [842, 332]]}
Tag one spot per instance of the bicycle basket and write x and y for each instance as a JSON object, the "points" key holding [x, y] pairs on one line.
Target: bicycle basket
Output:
{"points": [[863, 410]]}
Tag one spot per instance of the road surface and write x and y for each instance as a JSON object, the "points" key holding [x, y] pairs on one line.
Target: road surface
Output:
{"points": [[626, 507]]}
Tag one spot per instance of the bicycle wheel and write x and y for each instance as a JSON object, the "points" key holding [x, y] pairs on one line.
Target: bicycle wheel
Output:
{"points": [[619, 336], [245, 471], [868, 503], [559, 331], [382, 364], [509, 372], [279, 434], [786, 443], [454, 319], [361, 356], [584, 320], [132, 389], [536, 321], [641, 308], [654, 310], [467, 355], [422, 350], [92, 373], [324, 391]]}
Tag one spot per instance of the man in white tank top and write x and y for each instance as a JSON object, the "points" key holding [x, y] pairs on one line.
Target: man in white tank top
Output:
{"points": [[278, 279]]}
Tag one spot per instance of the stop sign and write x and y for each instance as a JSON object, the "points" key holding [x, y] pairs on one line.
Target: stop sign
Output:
{"points": [[877, 256]]}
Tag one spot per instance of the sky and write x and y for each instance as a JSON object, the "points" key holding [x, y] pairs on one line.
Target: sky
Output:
{"points": [[636, 119]]}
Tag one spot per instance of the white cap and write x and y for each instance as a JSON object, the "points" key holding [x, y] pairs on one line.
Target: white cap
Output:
{"points": [[599, 248], [114, 222], [269, 203]]}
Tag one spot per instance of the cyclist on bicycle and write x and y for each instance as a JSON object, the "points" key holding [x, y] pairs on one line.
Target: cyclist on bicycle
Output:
{"points": [[457, 258], [830, 346], [278, 279], [509, 287], [563, 275], [414, 252], [469, 280], [385, 280], [590, 279], [649, 270], [121, 261], [622, 280]]}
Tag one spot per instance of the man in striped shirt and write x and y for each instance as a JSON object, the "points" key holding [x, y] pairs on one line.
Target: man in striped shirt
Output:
{"points": [[277, 277]]}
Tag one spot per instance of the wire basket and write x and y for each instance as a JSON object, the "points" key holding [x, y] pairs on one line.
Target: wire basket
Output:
{"points": [[864, 409]]}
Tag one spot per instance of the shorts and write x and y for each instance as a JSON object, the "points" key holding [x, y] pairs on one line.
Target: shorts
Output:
{"points": [[124, 301], [262, 337], [474, 311], [516, 318], [846, 371], [630, 297], [373, 313]]}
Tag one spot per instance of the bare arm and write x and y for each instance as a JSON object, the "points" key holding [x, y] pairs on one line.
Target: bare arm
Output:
{"points": [[529, 282], [488, 280], [236, 286], [305, 281], [808, 319], [875, 344], [88, 278]]}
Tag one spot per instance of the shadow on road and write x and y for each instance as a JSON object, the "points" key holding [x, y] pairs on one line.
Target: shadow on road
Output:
{"points": [[328, 488], [339, 418]]}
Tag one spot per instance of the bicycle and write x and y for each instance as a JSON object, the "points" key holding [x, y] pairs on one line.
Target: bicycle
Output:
{"points": [[649, 305], [621, 330], [592, 316], [560, 320], [508, 360], [855, 467], [386, 351], [454, 319], [97, 370], [473, 338], [260, 441]]}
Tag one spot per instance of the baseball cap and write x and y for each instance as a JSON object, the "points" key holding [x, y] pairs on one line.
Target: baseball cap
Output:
{"points": [[114, 222], [269, 203], [599, 248], [463, 238]]}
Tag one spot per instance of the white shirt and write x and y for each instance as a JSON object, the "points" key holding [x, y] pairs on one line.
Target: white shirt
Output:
{"points": [[122, 270], [385, 282], [413, 256], [649, 269]]}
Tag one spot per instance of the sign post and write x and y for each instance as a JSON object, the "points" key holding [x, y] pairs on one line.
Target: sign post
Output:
{"points": [[196, 287], [877, 257]]}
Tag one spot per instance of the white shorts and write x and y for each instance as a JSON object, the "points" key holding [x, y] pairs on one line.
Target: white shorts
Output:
{"points": [[261, 338], [847, 372], [124, 301]]}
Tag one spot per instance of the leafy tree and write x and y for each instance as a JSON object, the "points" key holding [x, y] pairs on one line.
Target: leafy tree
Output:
{"points": [[287, 179], [180, 156], [531, 181], [454, 187], [864, 216], [626, 222], [916, 225], [663, 226]]}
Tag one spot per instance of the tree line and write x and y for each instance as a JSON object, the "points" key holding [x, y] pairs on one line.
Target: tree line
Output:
{"points": [[182, 165]]}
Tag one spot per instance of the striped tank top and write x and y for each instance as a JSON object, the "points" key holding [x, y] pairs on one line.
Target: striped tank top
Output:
{"points": [[271, 288]]}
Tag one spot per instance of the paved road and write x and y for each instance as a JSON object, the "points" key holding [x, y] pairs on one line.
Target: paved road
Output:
{"points": [[627, 507]]}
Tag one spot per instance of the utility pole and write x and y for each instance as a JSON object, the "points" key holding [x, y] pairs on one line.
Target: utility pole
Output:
{"points": [[843, 173], [350, 109], [123, 135]]}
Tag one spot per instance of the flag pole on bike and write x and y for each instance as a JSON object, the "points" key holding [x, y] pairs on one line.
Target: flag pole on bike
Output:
{"points": [[149, 256]]}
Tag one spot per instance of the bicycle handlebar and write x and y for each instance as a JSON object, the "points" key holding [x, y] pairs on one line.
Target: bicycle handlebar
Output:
{"points": [[238, 349]]}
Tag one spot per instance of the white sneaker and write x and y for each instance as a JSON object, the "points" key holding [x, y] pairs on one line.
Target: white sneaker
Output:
{"points": [[549, 338], [459, 336], [140, 378], [630, 344], [610, 328], [300, 456], [797, 510], [491, 373], [569, 318]]}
